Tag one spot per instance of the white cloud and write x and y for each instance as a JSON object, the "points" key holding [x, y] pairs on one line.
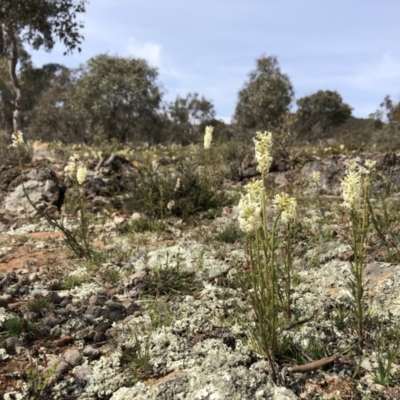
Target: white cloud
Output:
{"points": [[148, 50]]}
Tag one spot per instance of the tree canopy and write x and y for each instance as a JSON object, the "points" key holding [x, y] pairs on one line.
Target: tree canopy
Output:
{"points": [[118, 97], [324, 108], [265, 97], [186, 115], [38, 24]]}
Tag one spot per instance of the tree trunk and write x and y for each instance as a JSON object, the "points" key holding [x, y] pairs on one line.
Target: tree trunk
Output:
{"points": [[12, 62], [2, 47]]}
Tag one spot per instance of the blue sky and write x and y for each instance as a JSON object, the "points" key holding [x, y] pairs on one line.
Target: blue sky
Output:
{"points": [[210, 46]]}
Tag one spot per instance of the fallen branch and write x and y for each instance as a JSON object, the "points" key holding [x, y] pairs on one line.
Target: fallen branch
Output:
{"points": [[312, 366]]}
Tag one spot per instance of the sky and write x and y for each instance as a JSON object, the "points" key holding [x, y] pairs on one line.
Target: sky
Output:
{"points": [[210, 46]]}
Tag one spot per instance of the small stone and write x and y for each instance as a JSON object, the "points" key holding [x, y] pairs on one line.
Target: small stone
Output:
{"points": [[33, 277], [51, 322], [99, 337], [23, 290], [132, 308], [11, 343], [3, 302], [37, 293], [94, 301], [82, 374], [73, 357], [102, 326], [7, 297], [65, 301], [102, 292], [88, 318], [54, 284], [54, 297], [114, 311], [62, 368], [91, 353]]}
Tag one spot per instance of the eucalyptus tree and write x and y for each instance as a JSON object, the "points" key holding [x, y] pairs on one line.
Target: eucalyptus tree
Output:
{"points": [[38, 24], [265, 98], [187, 116], [324, 108], [118, 98]]}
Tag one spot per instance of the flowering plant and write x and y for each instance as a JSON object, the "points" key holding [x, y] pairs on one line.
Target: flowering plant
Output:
{"points": [[268, 287], [356, 186], [76, 241]]}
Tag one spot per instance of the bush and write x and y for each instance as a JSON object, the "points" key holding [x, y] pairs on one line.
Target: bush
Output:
{"points": [[8, 157], [182, 193]]}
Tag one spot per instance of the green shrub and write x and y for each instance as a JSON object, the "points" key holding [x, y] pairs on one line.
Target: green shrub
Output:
{"points": [[182, 193]]}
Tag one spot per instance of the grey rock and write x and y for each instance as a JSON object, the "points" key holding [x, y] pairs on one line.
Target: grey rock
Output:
{"points": [[24, 280], [51, 322], [88, 318], [62, 368], [3, 302], [102, 292], [54, 284], [11, 344], [37, 293], [132, 309], [102, 326], [54, 297], [42, 186], [65, 301], [91, 353], [94, 301], [72, 357], [33, 277], [82, 374], [99, 337]]}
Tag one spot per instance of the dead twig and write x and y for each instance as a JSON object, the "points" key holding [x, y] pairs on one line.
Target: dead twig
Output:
{"points": [[313, 366]]}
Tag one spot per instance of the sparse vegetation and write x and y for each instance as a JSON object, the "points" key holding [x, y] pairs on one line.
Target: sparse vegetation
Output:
{"points": [[72, 281], [40, 305], [290, 238]]}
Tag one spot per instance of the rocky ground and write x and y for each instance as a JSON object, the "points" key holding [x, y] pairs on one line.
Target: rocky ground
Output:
{"points": [[161, 314]]}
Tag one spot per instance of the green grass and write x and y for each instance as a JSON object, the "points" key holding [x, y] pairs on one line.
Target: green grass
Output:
{"points": [[40, 305], [160, 314], [170, 280], [73, 281], [230, 234], [110, 277], [136, 360], [16, 327], [182, 193]]}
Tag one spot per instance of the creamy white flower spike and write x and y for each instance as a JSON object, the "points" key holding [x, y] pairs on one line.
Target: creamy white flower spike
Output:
{"points": [[316, 177], [370, 164], [351, 186], [17, 139], [72, 166], [177, 185], [256, 189], [81, 175], [286, 205], [171, 205], [208, 137], [263, 145], [249, 214]]}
